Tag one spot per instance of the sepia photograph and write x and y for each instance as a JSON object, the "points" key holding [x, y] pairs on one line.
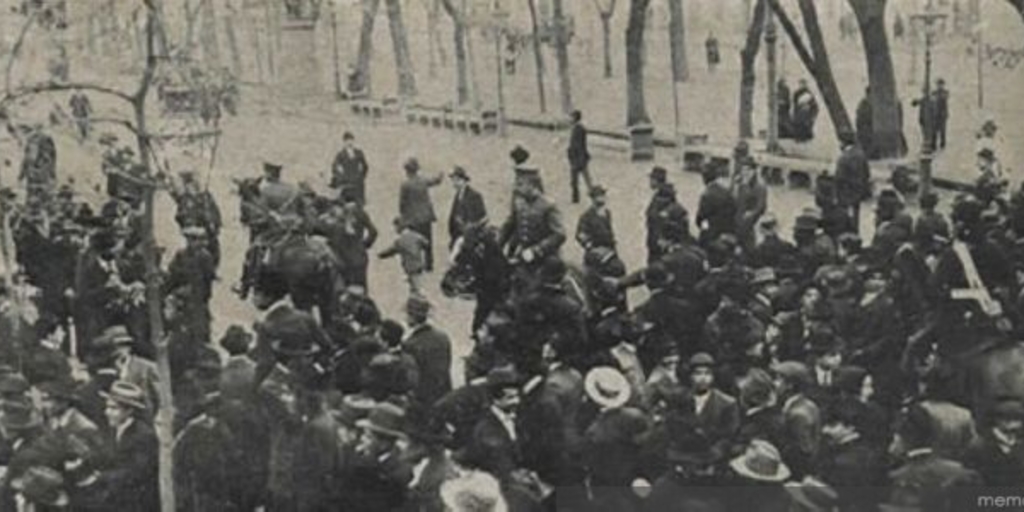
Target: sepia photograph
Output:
{"points": [[511, 255]]}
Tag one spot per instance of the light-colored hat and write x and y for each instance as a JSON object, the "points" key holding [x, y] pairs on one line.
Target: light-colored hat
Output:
{"points": [[607, 387], [761, 462], [475, 491]]}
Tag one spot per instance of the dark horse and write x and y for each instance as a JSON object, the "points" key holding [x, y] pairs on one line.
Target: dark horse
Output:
{"points": [[480, 270], [307, 264]]}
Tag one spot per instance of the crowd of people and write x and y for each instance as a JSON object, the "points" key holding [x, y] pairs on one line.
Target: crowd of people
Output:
{"points": [[761, 370]]}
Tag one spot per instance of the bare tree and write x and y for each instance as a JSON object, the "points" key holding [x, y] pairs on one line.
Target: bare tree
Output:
{"points": [[606, 11], [461, 71], [362, 78], [561, 42], [748, 75], [677, 38], [886, 118], [636, 105], [538, 56], [400, 41], [814, 57]]}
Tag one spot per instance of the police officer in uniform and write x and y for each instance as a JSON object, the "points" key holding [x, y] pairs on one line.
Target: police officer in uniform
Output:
{"points": [[533, 232], [197, 208]]}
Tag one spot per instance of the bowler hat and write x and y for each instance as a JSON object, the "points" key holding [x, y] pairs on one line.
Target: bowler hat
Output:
{"points": [[126, 394], [348, 136], [519, 154], [236, 340], [659, 174], [41, 485], [411, 164], [503, 377], [607, 387], [598, 191], [272, 168], [459, 172], [417, 306], [761, 462], [385, 418]]}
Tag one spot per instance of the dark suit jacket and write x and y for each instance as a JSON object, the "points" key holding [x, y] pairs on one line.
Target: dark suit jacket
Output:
{"points": [[132, 474], [997, 469], [549, 423], [492, 448], [926, 479], [595, 229], [802, 435], [432, 350], [578, 154], [853, 176], [349, 171], [718, 209], [414, 204], [716, 424], [467, 208], [350, 241]]}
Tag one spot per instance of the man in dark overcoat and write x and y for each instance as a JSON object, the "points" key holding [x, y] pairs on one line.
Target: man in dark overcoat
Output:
{"points": [[468, 207], [432, 350], [348, 173], [415, 206], [579, 155], [853, 178], [595, 225]]}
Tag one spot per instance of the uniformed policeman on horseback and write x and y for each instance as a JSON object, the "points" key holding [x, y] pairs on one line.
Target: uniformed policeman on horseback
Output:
{"points": [[272, 213], [534, 231]]}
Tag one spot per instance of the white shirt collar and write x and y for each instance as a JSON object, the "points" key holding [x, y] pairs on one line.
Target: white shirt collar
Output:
{"points": [[507, 420], [701, 401], [120, 430]]}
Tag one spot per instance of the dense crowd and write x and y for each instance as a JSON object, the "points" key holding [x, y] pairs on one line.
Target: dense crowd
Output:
{"points": [[762, 370]]}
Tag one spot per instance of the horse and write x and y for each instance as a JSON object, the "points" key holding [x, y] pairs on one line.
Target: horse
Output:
{"points": [[307, 264], [480, 270]]}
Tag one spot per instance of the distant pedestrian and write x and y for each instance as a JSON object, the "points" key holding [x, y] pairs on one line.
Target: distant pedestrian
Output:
{"points": [[785, 110], [853, 178], [81, 110], [864, 122], [411, 246], [350, 169], [711, 49], [415, 207], [468, 208], [579, 155], [805, 112], [940, 100]]}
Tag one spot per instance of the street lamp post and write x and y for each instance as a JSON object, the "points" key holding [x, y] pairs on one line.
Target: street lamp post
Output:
{"points": [[771, 37], [930, 23]]}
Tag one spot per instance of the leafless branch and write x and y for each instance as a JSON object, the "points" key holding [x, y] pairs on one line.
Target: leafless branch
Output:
{"points": [[51, 87], [794, 34]]}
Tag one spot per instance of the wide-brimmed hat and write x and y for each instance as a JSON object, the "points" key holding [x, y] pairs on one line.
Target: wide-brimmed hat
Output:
{"points": [[761, 462], [272, 168], [126, 394], [607, 387], [19, 415], [385, 418], [349, 409], [475, 490], [459, 172], [41, 485]]}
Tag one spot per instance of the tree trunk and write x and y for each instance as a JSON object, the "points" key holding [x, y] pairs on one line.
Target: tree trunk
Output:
{"points": [[362, 78], [677, 38], [636, 106], [562, 56], [229, 32], [538, 56], [886, 117], [432, 16], [459, 35], [822, 71], [400, 41], [606, 35], [748, 75], [208, 33]]}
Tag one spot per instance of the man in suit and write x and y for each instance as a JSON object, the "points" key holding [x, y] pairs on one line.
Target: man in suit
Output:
{"points": [[801, 435], [853, 178], [350, 169], [132, 474], [998, 454], [704, 412], [415, 207], [114, 347], [495, 444], [468, 207], [925, 479], [578, 155], [663, 210], [432, 350], [849, 461], [595, 226], [716, 213], [350, 234]]}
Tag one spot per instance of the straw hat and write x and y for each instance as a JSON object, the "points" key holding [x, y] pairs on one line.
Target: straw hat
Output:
{"points": [[607, 387]]}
